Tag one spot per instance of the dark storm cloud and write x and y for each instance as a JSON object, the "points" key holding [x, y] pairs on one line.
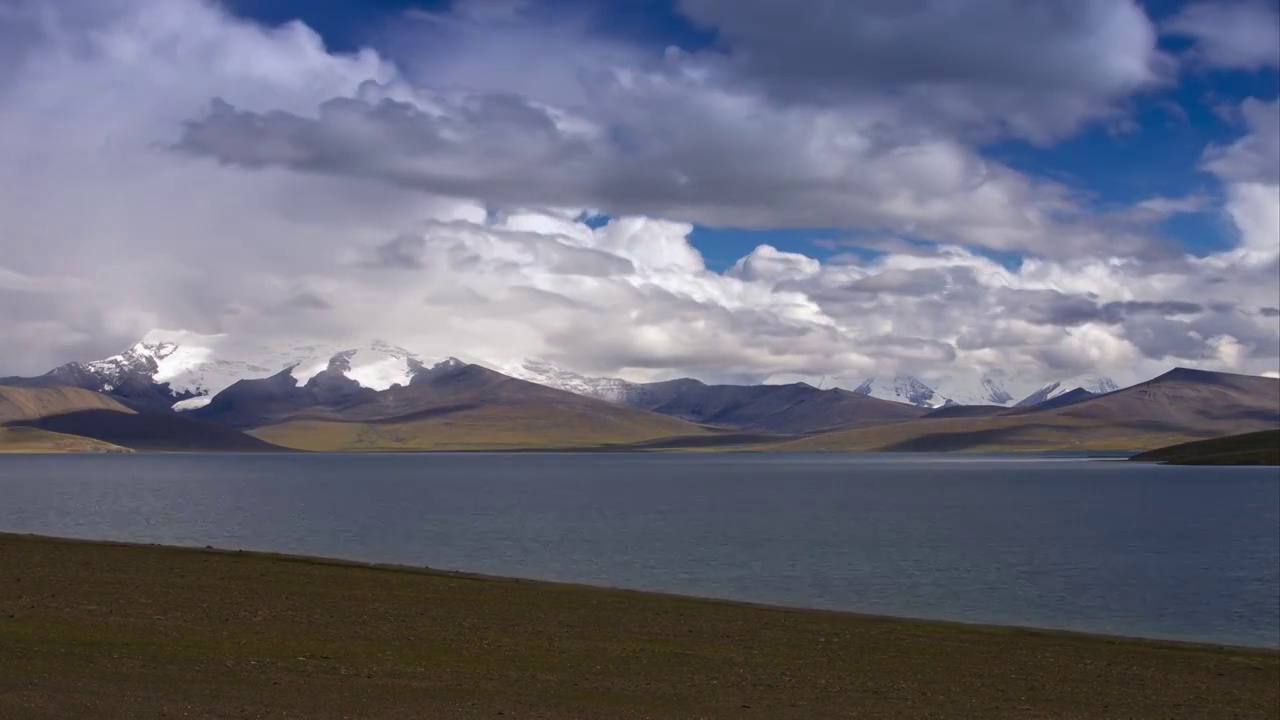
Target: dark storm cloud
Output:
{"points": [[908, 348], [1049, 307], [1037, 67], [403, 252]]}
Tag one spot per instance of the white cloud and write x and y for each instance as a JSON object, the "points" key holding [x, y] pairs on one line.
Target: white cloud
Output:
{"points": [[1243, 34], [476, 248]]}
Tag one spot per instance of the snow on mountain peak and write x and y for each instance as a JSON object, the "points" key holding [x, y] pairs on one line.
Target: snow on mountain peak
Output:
{"points": [[199, 366], [903, 389], [1095, 384], [377, 365], [990, 388], [537, 370]]}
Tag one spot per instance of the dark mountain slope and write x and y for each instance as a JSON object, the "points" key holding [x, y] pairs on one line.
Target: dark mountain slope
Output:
{"points": [[160, 432], [1259, 448], [1178, 406], [451, 406], [796, 408]]}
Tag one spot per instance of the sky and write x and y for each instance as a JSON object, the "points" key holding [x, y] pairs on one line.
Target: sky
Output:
{"points": [[744, 190]]}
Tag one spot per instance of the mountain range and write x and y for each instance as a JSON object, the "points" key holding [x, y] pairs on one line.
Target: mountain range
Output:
{"points": [[181, 391]]}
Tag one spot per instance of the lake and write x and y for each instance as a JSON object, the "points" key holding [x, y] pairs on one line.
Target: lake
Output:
{"points": [[1099, 546]]}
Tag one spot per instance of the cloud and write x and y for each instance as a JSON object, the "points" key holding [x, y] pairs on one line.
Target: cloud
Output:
{"points": [[339, 197], [1251, 169], [666, 148], [568, 121], [1231, 34], [1037, 70], [1256, 156]]}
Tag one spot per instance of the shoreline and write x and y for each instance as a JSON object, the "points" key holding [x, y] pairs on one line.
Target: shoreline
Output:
{"points": [[113, 630], [341, 562]]}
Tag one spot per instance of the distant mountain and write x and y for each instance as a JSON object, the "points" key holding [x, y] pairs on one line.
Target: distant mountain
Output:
{"points": [[1090, 384], [903, 389], [1198, 402], [451, 405], [794, 408], [183, 371], [1071, 397], [991, 388], [336, 391], [614, 390], [134, 377], [790, 408], [1180, 405], [377, 395], [965, 411]]}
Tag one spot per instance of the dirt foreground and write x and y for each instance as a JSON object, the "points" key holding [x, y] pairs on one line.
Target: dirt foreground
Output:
{"points": [[105, 631]]}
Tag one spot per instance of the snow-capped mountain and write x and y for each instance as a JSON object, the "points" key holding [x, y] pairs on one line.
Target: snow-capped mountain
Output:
{"points": [[991, 388], [903, 389], [1095, 384], [997, 387], [614, 390], [184, 370]]}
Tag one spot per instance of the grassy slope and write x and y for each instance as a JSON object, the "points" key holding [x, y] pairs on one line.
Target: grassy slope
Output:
{"points": [[223, 635], [495, 427], [994, 434], [31, 440], [19, 403], [1259, 448], [155, 432]]}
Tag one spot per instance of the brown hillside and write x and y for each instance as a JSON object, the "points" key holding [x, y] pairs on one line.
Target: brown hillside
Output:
{"points": [[33, 403], [466, 408], [33, 440]]}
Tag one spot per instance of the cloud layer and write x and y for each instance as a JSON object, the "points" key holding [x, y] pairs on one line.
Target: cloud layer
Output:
{"points": [[163, 164]]}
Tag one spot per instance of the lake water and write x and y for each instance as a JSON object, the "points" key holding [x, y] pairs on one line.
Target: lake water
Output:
{"points": [[1109, 547]]}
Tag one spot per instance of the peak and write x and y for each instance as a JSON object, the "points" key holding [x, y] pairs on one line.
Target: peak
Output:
{"points": [[1186, 374], [383, 346]]}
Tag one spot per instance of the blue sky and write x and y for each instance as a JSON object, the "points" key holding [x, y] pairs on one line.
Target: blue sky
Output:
{"points": [[1157, 155]]}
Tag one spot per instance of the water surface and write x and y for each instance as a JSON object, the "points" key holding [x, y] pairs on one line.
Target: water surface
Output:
{"points": [[1109, 547]]}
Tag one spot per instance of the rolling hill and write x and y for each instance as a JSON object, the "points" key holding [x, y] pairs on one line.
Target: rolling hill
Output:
{"points": [[31, 403], [1181, 405], [1258, 448], [794, 409], [32, 440], [453, 406], [68, 419]]}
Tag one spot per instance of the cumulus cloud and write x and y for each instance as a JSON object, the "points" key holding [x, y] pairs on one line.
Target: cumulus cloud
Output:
{"points": [[1242, 34], [700, 138], [163, 164], [1254, 158], [670, 146]]}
